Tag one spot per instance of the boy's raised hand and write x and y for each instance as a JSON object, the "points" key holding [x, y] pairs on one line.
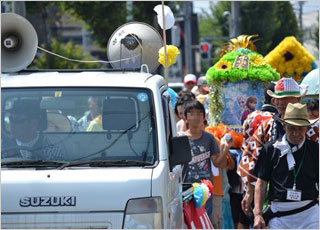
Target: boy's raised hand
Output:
{"points": [[226, 142]]}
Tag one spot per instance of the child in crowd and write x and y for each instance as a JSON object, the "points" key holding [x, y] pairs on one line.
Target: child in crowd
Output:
{"points": [[204, 148], [184, 97]]}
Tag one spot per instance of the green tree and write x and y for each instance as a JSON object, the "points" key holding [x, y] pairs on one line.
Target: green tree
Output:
{"points": [[214, 23], [68, 50], [43, 10], [103, 18], [272, 21]]}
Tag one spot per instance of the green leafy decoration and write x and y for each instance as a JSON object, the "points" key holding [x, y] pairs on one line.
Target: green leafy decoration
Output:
{"points": [[215, 102], [263, 72]]}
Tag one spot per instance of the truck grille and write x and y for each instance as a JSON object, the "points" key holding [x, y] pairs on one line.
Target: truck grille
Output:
{"points": [[96, 220]]}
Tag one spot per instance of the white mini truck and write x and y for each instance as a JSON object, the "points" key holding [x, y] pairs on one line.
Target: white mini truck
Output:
{"points": [[66, 169], [127, 174]]}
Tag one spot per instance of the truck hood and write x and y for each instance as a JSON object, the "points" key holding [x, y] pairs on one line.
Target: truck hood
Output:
{"points": [[106, 189]]}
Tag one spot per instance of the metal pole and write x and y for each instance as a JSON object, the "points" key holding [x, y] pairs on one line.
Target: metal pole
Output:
{"points": [[230, 25], [129, 11], [19, 8], [164, 44], [188, 37], [300, 20], [235, 18], [84, 40]]}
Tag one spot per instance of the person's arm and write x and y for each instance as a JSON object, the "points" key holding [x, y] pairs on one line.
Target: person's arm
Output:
{"points": [[247, 200], [184, 126], [252, 153], [246, 132], [219, 160], [260, 196], [231, 163]]}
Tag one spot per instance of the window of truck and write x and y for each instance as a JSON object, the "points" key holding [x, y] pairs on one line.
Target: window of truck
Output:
{"points": [[84, 127]]}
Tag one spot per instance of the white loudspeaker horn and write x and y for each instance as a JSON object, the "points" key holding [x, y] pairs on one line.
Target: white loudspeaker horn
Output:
{"points": [[19, 42], [134, 43]]}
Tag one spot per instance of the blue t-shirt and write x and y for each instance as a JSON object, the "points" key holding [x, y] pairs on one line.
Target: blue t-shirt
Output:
{"points": [[200, 166]]}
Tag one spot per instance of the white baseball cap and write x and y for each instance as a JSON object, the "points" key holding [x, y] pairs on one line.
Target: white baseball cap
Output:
{"points": [[190, 78]]}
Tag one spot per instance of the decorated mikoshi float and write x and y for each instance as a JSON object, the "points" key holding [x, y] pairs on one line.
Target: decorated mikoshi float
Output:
{"points": [[237, 79], [291, 59]]}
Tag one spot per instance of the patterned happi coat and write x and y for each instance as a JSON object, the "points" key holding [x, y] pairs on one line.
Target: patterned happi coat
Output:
{"points": [[252, 122], [264, 134]]}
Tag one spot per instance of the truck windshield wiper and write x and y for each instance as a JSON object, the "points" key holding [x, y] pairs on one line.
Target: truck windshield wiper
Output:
{"points": [[32, 163], [103, 163]]}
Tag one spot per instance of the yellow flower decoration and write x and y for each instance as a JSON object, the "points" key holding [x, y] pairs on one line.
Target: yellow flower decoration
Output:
{"points": [[257, 60], [290, 57], [172, 53], [223, 65], [242, 41]]}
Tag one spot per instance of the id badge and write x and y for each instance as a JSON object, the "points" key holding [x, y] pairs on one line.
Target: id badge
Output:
{"points": [[294, 194]]}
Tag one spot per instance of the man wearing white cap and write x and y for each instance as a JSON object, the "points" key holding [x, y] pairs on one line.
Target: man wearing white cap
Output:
{"points": [[203, 89], [287, 91], [190, 80], [290, 165]]}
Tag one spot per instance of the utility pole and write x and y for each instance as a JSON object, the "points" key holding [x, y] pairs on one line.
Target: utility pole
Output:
{"points": [[129, 11], [300, 20], [84, 40], [235, 19], [19, 7], [188, 38]]}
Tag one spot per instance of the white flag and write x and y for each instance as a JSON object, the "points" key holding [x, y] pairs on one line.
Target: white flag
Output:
{"points": [[169, 17]]}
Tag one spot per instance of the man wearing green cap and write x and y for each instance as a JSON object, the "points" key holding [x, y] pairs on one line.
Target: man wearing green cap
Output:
{"points": [[290, 165]]}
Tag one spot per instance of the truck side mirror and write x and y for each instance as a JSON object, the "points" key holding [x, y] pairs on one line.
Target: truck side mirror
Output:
{"points": [[180, 151]]}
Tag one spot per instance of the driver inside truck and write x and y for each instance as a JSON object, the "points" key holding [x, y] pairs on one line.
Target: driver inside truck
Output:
{"points": [[27, 121]]}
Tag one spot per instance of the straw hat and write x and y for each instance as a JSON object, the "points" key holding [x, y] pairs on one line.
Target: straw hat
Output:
{"points": [[287, 87], [297, 115], [58, 122]]}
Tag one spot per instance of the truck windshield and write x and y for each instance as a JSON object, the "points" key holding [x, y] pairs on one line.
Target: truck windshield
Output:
{"points": [[74, 125]]}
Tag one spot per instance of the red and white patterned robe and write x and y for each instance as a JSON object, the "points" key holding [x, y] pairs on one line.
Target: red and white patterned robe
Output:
{"points": [[252, 122]]}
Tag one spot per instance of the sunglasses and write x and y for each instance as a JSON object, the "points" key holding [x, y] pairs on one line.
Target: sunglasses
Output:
{"points": [[17, 120]]}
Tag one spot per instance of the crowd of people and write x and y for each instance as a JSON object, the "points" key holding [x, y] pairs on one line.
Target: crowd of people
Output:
{"points": [[274, 181]]}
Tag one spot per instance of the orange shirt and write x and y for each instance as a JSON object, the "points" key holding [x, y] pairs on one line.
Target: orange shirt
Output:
{"points": [[217, 185]]}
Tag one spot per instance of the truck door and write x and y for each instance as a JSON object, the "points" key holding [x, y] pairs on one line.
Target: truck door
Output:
{"points": [[176, 219]]}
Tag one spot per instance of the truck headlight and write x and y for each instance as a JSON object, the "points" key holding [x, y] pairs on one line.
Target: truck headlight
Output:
{"points": [[144, 213]]}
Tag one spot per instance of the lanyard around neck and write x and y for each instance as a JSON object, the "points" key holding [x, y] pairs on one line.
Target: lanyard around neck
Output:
{"points": [[295, 173]]}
